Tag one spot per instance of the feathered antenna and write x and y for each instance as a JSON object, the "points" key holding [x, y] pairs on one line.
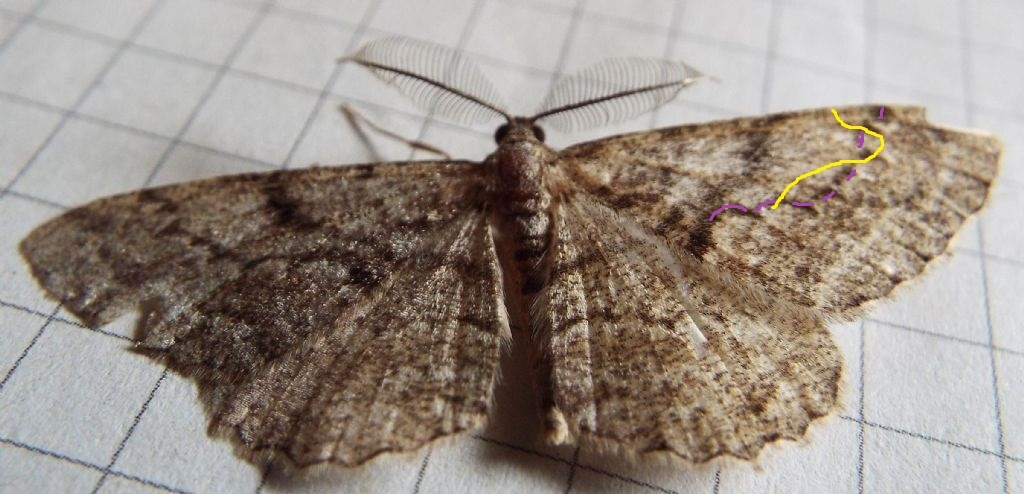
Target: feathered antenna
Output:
{"points": [[614, 90], [435, 77]]}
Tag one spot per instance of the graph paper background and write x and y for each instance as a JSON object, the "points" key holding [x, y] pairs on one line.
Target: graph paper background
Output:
{"points": [[106, 96]]}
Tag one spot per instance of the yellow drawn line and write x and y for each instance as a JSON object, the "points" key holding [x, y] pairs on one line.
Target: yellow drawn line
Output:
{"points": [[835, 163]]}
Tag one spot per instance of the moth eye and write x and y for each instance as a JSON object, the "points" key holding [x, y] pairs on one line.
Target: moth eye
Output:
{"points": [[499, 135], [538, 133]]}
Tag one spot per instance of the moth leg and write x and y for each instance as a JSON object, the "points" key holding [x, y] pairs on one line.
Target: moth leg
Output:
{"points": [[361, 122]]}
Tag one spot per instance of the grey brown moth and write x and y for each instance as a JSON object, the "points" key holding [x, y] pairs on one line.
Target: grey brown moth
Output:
{"points": [[334, 314]]}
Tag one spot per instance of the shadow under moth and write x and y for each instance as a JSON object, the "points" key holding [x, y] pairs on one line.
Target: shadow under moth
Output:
{"points": [[334, 314]]}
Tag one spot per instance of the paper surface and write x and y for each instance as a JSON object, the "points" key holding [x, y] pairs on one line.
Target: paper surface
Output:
{"points": [[103, 97]]}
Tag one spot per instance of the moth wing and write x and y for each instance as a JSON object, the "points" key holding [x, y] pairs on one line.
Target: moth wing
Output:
{"points": [[327, 314], [648, 353], [881, 228]]}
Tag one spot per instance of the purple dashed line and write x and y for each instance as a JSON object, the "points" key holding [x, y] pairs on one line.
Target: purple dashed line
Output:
{"points": [[766, 203], [860, 143], [727, 206]]}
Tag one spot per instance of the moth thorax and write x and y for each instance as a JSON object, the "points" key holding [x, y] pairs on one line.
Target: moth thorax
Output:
{"points": [[524, 202], [520, 167]]}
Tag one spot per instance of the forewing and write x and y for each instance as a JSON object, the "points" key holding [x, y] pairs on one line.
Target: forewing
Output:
{"points": [[880, 229], [652, 354], [327, 314]]}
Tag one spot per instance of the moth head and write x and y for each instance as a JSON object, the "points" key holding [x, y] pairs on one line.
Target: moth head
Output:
{"points": [[519, 129]]}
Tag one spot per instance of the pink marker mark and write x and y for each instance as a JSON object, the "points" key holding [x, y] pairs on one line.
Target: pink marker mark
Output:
{"points": [[880, 112], [763, 204], [727, 206], [794, 203]]}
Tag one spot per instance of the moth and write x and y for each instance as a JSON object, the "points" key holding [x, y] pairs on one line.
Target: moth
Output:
{"points": [[334, 314]]}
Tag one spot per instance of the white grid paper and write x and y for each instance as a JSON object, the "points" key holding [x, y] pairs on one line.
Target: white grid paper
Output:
{"points": [[108, 96]]}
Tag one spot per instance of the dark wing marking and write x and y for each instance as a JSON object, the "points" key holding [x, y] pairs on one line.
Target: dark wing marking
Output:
{"points": [[327, 314], [651, 354], [879, 230]]}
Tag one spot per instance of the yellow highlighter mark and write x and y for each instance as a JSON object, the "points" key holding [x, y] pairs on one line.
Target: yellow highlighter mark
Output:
{"points": [[881, 140]]}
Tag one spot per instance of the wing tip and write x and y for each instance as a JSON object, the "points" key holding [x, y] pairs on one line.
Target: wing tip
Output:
{"points": [[34, 254]]}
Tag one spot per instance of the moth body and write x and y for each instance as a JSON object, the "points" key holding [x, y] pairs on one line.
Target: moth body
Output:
{"points": [[524, 218], [334, 314], [522, 202]]}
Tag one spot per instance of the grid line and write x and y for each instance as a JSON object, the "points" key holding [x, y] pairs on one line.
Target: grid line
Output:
{"points": [[148, 133], [464, 35], [93, 84], [862, 368], [670, 43], [62, 320], [324, 93], [137, 29], [572, 470], [860, 411], [933, 439], [559, 68], [868, 90], [125, 128], [131, 430], [264, 475], [422, 472], [23, 20], [161, 53], [91, 466], [214, 84], [867, 319], [11, 305], [997, 258], [460, 45], [28, 348], [736, 47], [995, 370], [770, 54], [864, 421], [357, 35], [584, 466], [967, 71], [945, 336], [38, 200]]}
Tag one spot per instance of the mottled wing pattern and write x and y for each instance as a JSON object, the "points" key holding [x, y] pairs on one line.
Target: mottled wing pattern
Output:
{"points": [[327, 314], [654, 354], [667, 332], [880, 229]]}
